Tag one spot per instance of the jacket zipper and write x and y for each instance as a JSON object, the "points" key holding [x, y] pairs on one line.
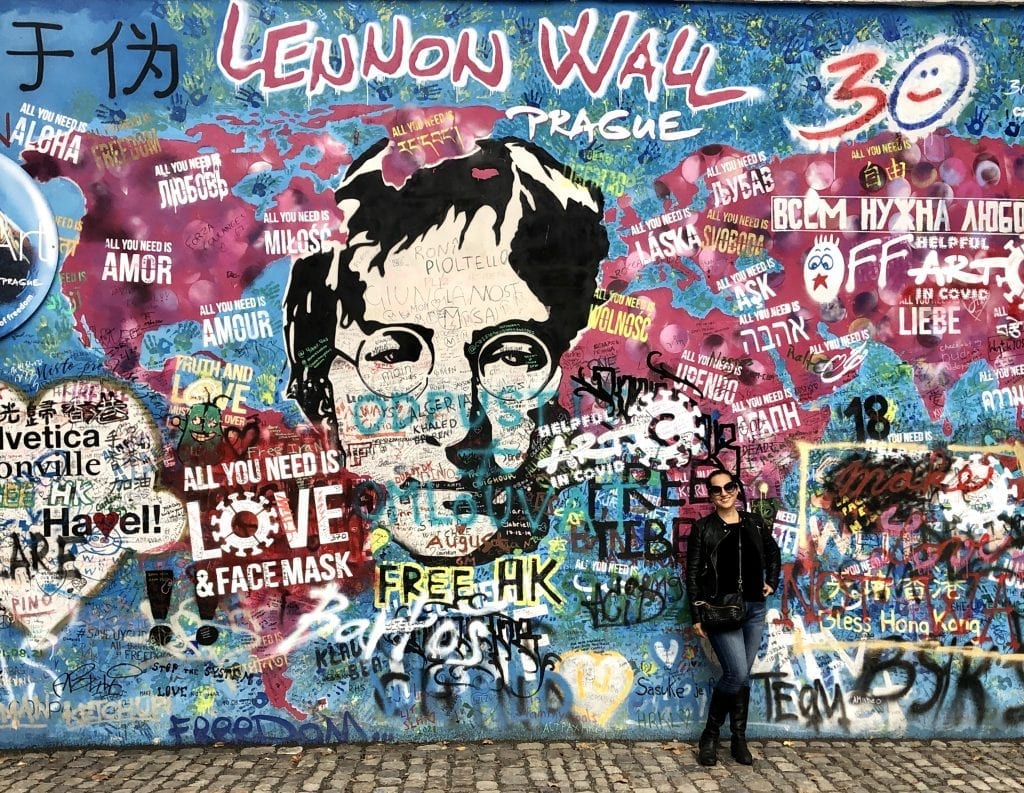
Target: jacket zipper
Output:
{"points": [[714, 556], [714, 553]]}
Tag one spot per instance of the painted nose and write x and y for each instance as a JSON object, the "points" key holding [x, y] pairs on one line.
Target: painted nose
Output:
{"points": [[472, 452], [466, 444]]}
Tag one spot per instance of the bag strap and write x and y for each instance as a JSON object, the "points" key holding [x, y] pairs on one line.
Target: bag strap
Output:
{"points": [[739, 553]]}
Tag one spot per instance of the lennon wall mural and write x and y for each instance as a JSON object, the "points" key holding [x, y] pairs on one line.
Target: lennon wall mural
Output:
{"points": [[362, 364]]}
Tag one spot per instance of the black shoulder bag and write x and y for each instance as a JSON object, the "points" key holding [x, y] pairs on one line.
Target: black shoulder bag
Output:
{"points": [[724, 612]]}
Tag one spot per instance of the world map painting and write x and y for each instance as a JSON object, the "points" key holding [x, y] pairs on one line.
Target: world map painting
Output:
{"points": [[362, 366]]}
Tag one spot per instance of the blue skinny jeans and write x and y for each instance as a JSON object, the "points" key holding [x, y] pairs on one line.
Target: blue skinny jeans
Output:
{"points": [[737, 649]]}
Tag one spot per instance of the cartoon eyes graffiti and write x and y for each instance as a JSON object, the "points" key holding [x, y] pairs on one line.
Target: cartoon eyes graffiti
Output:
{"points": [[822, 260], [823, 270], [923, 75], [204, 422]]}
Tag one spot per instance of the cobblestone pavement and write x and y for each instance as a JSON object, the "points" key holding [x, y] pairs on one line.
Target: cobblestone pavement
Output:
{"points": [[596, 766]]}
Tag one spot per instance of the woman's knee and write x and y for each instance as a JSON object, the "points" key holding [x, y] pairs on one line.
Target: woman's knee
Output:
{"points": [[733, 680]]}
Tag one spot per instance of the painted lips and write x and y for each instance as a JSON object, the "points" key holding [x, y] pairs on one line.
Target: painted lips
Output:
{"points": [[916, 97]]}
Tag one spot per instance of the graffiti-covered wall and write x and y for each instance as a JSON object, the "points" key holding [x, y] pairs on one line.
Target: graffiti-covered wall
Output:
{"points": [[362, 366]]}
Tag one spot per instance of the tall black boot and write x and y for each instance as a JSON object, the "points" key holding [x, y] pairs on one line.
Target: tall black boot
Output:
{"points": [[721, 703], [738, 725]]}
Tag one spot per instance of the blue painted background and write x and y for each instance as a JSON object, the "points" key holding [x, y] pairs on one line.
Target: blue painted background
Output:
{"points": [[813, 279]]}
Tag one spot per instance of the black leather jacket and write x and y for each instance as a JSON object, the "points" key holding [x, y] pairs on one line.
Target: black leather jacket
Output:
{"points": [[702, 555]]}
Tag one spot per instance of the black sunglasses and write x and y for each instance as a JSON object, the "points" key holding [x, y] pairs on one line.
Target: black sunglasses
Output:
{"points": [[716, 490]]}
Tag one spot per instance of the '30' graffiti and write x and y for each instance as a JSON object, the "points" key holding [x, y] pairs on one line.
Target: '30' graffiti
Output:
{"points": [[931, 89]]}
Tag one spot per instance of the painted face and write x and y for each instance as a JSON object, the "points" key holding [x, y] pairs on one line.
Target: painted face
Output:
{"points": [[977, 506], [203, 423], [932, 88], [201, 434], [824, 268], [434, 397]]}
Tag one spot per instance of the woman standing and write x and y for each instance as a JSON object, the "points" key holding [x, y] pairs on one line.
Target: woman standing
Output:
{"points": [[728, 550]]}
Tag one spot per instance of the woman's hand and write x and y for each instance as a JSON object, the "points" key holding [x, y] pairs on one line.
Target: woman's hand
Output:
{"points": [[699, 630], [767, 590]]}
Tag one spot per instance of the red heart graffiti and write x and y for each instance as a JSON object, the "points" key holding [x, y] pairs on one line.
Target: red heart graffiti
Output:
{"points": [[105, 523], [241, 439]]}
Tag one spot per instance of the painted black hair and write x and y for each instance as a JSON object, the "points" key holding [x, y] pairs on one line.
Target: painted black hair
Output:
{"points": [[557, 248]]}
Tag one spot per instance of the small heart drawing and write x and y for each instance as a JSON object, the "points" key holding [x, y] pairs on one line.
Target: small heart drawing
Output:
{"points": [[600, 682], [105, 523], [241, 439], [975, 305], [667, 655]]}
